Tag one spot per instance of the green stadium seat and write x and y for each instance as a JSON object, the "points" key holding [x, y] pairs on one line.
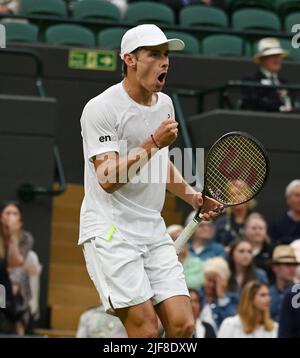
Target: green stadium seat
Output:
{"points": [[200, 15], [255, 19], [56, 8], [291, 20], [21, 32], [110, 39], [191, 42], [96, 9], [70, 35], [262, 4], [225, 45], [150, 12], [285, 7]]}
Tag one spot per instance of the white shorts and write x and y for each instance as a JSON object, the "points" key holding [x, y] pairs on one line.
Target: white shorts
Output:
{"points": [[126, 274]]}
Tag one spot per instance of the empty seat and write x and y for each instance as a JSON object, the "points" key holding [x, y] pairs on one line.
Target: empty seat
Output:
{"points": [[71, 35], [46, 8], [21, 32], [284, 7], [150, 12], [239, 4], [225, 45], [191, 42], [96, 9], [255, 19], [291, 20], [200, 15], [110, 39]]}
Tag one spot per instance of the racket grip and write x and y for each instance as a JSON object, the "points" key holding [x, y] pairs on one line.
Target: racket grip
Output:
{"points": [[186, 234]]}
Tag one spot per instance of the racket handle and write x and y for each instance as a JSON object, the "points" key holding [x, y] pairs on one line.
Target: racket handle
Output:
{"points": [[186, 234]]}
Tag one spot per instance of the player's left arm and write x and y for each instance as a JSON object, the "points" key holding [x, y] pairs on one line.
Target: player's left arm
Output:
{"points": [[178, 186]]}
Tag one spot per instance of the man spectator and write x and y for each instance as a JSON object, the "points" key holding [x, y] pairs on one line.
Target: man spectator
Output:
{"points": [[287, 228], [289, 321], [284, 264], [269, 59], [202, 244]]}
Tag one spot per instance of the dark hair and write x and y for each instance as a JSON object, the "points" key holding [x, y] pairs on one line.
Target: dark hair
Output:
{"points": [[250, 270], [5, 204], [199, 294]]}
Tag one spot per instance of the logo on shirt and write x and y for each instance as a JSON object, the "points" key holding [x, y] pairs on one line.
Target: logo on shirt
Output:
{"points": [[105, 138]]}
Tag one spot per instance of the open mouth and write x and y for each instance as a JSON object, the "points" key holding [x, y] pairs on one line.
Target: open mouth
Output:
{"points": [[162, 76]]}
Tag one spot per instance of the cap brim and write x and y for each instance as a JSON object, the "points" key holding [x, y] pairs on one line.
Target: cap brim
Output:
{"points": [[258, 56]]}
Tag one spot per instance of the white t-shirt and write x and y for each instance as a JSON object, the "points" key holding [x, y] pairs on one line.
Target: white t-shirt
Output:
{"points": [[232, 327], [113, 121]]}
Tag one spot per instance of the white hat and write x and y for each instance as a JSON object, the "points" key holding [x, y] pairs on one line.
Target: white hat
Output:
{"points": [[267, 47], [147, 35]]}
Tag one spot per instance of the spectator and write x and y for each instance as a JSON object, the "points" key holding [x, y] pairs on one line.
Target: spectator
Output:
{"points": [[269, 59], [241, 264], [289, 319], [256, 232], [202, 329], [16, 244], [193, 267], [217, 303], [9, 7], [287, 228], [202, 244], [284, 264], [96, 323], [229, 226], [253, 318]]}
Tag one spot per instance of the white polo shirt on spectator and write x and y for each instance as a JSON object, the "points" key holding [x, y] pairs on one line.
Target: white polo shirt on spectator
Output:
{"points": [[113, 121]]}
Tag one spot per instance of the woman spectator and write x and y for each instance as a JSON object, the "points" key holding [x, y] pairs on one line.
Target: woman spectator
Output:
{"points": [[202, 329], [16, 244], [217, 303], [256, 231], [241, 264], [253, 318]]}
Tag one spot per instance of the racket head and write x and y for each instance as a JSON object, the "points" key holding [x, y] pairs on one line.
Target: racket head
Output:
{"points": [[236, 169]]}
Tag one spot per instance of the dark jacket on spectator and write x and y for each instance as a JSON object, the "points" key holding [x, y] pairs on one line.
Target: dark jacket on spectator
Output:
{"points": [[289, 320], [261, 99], [285, 230]]}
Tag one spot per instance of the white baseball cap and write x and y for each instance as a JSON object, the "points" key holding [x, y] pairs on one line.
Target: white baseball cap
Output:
{"points": [[147, 35]]}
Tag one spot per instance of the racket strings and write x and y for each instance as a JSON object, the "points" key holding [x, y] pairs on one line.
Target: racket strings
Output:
{"points": [[236, 170]]}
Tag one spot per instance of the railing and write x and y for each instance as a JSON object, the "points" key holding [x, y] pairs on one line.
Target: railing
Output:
{"points": [[28, 191]]}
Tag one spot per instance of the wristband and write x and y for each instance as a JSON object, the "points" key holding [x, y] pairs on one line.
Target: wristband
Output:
{"points": [[155, 142]]}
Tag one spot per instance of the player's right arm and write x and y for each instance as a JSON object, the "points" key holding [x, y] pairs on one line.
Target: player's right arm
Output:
{"points": [[114, 171]]}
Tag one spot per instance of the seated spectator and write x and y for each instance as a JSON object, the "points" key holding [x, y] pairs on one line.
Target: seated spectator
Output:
{"points": [[253, 318], [16, 244], [287, 229], [269, 59], [202, 244], [96, 323], [289, 318], [241, 264], [9, 7], [202, 329], [284, 264], [193, 267], [256, 232], [230, 225], [217, 303]]}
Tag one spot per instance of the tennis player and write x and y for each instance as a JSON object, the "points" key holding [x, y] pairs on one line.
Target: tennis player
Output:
{"points": [[126, 132]]}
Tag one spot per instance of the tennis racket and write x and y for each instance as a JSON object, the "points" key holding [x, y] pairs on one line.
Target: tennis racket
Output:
{"points": [[236, 169]]}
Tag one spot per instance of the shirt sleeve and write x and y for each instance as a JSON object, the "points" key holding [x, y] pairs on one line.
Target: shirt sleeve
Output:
{"points": [[98, 129]]}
